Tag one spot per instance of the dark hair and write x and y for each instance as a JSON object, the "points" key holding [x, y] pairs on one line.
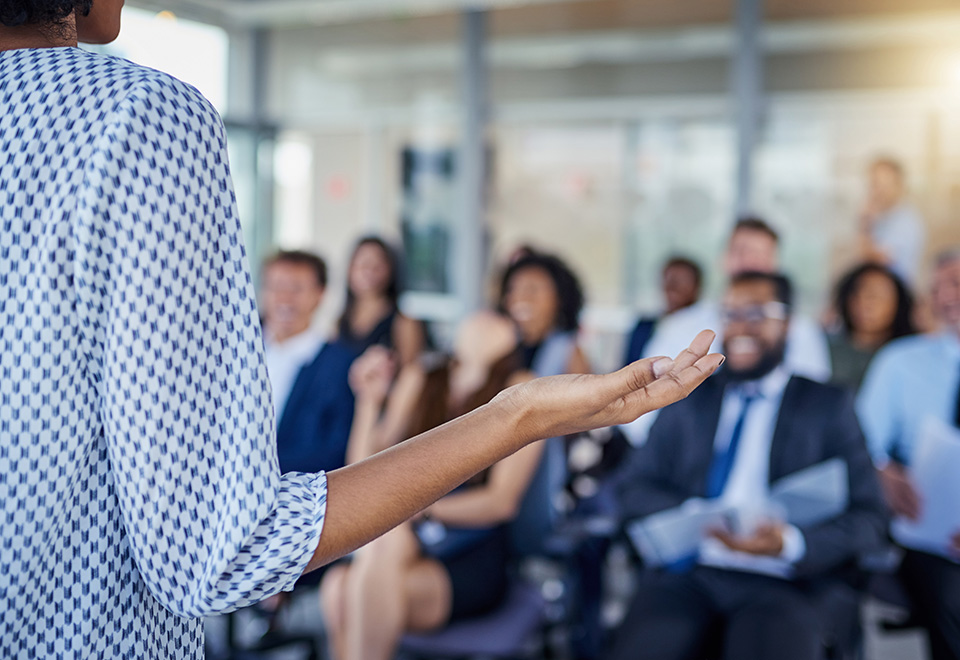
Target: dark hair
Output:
{"points": [[754, 223], [301, 258], [14, 13], [783, 289], [902, 323], [392, 291], [569, 291], [689, 264]]}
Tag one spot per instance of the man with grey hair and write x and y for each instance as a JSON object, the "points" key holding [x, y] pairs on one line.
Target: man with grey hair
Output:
{"points": [[910, 382]]}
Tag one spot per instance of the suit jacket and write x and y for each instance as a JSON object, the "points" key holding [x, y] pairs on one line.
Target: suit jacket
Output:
{"points": [[314, 427], [816, 422]]}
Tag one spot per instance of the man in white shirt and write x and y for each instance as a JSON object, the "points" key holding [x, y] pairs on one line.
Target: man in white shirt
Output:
{"points": [[774, 589], [754, 246], [308, 375]]}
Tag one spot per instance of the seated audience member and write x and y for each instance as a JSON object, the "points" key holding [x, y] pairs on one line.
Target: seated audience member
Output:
{"points": [[681, 280], [452, 562], [874, 307], [891, 230], [371, 316], [910, 382], [753, 247], [543, 297], [309, 375], [763, 593]]}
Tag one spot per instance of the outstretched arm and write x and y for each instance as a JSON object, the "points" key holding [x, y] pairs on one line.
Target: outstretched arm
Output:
{"points": [[371, 497]]}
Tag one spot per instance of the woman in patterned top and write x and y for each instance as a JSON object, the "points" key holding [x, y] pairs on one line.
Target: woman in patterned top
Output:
{"points": [[139, 487]]}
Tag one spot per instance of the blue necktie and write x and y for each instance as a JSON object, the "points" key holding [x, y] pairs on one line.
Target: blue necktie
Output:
{"points": [[723, 459], [719, 473]]}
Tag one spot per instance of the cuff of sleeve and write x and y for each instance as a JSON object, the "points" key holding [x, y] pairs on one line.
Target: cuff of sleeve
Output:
{"points": [[319, 487], [794, 545]]}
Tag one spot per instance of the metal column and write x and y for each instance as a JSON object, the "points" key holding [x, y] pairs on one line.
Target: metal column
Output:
{"points": [[469, 236], [746, 89]]}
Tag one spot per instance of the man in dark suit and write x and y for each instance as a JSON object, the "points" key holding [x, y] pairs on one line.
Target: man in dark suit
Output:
{"points": [[764, 592], [308, 373]]}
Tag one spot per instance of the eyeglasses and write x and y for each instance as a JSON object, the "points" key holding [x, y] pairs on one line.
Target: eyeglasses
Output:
{"points": [[773, 311]]}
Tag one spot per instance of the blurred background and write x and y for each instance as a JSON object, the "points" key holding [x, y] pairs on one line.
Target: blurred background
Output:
{"points": [[610, 132]]}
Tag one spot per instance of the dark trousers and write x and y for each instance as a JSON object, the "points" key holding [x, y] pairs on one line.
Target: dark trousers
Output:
{"points": [[934, 587], [716, 613]]}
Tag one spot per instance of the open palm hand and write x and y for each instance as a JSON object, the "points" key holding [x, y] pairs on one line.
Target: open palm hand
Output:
{"points": [[561, 405]]}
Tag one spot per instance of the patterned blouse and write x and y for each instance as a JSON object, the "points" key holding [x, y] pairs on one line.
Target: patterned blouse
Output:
{"points": [[139, 488]]}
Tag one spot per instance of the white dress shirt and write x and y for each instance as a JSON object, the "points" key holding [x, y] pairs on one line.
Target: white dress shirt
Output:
{"points": [[285, 360], [747, 487]]}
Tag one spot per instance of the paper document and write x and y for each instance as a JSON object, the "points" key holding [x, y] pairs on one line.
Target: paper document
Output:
{"points": [[673, 535], [935, 472], [808, 497], [815, 494]]}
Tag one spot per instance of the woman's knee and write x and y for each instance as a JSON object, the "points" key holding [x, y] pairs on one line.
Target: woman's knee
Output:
{"points": [[393, 550], [332, 594], [429, 595]]}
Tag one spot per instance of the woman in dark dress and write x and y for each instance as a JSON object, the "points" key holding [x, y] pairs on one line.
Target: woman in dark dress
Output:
{"points": [[371, 316], [452, 562]]}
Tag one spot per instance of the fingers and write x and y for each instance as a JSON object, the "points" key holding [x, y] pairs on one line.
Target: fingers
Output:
{"points": [[902, 496], [671, 387], [656, 382], [698, 348], [767, 540], [642, 372]]}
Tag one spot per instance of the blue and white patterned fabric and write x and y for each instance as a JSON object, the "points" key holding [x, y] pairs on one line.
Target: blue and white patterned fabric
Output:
{"points": [[139, 487]]}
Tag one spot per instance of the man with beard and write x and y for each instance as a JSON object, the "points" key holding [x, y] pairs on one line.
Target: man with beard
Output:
{"points": [[776, 590]]}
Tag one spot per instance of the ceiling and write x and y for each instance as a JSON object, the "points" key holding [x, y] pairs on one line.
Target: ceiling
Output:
{"points": [[437, 18]]}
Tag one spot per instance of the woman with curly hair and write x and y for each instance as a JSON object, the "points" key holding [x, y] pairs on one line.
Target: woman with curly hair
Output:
{"points": [[875, 307], [543, 298], [139, 486]]}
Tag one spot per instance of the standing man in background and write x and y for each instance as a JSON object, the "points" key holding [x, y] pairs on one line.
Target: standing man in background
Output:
{"points": [[891, 229]]}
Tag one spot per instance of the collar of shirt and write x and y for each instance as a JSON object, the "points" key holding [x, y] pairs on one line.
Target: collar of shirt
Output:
{"points": [[285, 360], [768, 389], [950, 344]]}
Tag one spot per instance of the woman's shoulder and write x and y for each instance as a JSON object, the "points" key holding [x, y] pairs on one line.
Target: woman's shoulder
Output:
{"points": [[114, 83]]}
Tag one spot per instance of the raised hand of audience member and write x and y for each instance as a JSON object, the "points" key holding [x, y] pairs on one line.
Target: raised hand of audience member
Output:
{"points": [[767, 539], [372, 374], [899, 492], [955, 544]]}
